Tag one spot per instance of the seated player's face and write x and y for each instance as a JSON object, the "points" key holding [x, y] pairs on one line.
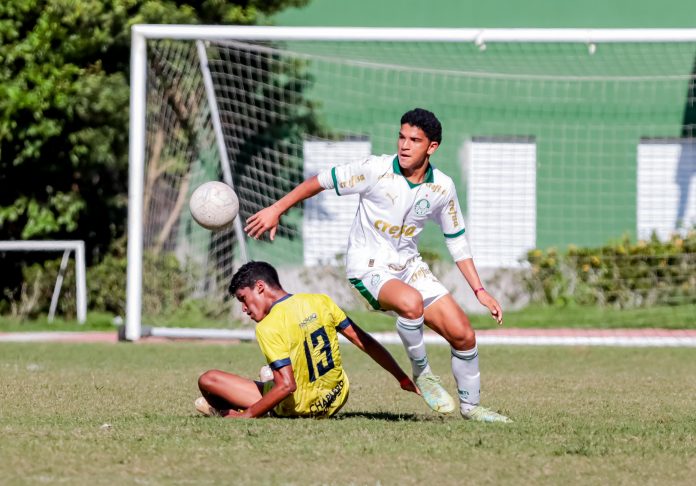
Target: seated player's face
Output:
{"points": [[413, 146], [254, 302]]}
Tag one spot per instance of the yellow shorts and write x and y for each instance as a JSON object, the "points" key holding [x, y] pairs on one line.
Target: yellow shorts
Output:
{"points": [[282, 411]]}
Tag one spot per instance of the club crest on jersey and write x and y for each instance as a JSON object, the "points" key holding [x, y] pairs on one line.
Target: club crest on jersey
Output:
{"points": [[308, 320], [375, 279], [421, 207]]}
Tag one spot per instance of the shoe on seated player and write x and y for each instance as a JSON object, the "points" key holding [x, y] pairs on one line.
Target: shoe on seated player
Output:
{"points": [[483, 414], [205, 408], [434, 394]]}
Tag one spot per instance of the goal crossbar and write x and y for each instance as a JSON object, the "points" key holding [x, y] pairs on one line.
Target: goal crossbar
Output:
{"points": [[395, 34]]}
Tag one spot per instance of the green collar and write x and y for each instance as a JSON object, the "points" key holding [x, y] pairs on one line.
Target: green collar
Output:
{"points": [[429, 177]]}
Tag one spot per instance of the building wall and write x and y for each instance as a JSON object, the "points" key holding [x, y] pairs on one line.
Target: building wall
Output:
{"points": [[493, 13], [586, 137]]}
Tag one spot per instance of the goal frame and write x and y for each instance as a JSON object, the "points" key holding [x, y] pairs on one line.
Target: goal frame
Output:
{"points": [[138, 72], [66, 246]]}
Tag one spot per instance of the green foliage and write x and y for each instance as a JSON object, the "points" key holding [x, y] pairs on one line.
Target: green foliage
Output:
{"points": [[161, 299], [622, 274], [64, 100], [62, 114], [106, 284], [59, 212]]}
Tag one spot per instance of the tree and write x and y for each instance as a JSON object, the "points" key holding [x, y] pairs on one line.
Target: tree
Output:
{"points": [[64, 109]]}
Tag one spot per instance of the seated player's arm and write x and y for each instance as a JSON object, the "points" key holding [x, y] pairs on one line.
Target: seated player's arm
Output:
{"points": [[378, 353], [284, 385]]}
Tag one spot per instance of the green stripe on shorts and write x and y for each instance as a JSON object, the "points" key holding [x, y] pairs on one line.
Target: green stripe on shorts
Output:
{"points": [[357, 283]]}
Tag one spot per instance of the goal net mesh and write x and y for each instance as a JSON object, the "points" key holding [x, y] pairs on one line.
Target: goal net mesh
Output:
{"points": [[551, 145]]}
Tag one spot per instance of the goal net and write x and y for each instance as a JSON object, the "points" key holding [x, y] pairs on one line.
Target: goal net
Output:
{"points": [[555, 139]]}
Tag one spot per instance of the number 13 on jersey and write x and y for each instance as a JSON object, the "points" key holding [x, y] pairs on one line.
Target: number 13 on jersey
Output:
{"points": [[318, 347]]}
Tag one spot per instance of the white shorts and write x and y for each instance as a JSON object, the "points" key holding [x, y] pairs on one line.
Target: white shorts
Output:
{"points": [[416, 273]]}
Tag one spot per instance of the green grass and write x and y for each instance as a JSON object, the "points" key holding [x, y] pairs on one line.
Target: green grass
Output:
{"points": [[96, 321], [676, 317], [582, 416]]}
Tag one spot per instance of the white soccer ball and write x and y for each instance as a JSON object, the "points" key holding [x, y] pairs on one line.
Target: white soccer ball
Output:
{"points": [[214, 205], [265, 373]]}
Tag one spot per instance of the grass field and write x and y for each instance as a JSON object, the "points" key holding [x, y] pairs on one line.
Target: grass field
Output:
{"points": [[535, 316], [582, 416]]}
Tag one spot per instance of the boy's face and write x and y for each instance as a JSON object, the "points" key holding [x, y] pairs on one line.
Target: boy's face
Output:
{"points": [[414, 146], [256, 302]]}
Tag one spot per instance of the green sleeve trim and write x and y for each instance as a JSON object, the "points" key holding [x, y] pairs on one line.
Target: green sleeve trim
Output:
{"points": [[454, 235], [333, 176], [357, 283]]}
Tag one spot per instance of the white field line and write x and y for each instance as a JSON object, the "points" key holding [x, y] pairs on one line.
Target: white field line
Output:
{"points": [[543, 338], [57, 336]]}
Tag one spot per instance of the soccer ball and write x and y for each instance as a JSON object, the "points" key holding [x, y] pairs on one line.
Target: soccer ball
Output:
{"points": [[214, 205], [265, 373]]}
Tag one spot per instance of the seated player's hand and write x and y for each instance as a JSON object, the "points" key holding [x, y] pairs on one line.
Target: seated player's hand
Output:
{"points": [[265, 220], [408, 385], [232, 414]]}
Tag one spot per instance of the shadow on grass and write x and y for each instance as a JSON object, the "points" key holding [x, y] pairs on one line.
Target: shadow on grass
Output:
{"points": [[386, 416], [383, 416]]}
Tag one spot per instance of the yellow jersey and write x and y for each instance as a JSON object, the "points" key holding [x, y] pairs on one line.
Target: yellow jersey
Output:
{"points": [[301, 330]]}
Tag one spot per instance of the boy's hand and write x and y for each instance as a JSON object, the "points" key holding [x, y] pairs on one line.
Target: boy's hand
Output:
{"points": [[408, 385], [487, 299], [232, 414], [265, 220]]}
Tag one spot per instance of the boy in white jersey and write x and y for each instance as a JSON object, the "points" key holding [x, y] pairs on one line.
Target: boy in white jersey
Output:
{"points": [[398, 193]]}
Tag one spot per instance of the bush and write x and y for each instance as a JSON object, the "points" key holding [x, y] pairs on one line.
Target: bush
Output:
{"points": [[623, 274]]}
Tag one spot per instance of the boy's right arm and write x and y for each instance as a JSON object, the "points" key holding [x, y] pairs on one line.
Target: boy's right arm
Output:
{"points": [[268, 218], [284, 386]]}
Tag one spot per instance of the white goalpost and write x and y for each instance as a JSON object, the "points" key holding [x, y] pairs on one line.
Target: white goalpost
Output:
{"points": [[554, 137]]}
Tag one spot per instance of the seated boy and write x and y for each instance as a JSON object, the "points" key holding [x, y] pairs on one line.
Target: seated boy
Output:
{"points": [[298, 336]]}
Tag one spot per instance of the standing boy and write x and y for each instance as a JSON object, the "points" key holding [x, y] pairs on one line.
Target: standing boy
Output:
{"points": [[398, 193]]}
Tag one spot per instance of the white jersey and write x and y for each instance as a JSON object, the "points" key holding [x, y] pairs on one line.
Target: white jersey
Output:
{"points": [[392, 212]]}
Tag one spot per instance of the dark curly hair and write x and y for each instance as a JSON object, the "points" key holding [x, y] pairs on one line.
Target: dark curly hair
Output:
{"points": [[249, 273], [426, 121]]}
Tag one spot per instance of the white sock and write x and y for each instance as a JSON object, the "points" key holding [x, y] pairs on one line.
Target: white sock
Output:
{"points": [[465, 368], [411, 334]]}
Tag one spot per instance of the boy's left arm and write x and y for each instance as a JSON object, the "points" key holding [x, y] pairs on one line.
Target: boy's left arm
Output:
{"points": [[451, 220], [471, 275], [378, 353]]}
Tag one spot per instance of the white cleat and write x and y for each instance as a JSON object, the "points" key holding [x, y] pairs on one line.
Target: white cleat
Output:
{"points": [[483, 414], [434, 394], [205, 408]]}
